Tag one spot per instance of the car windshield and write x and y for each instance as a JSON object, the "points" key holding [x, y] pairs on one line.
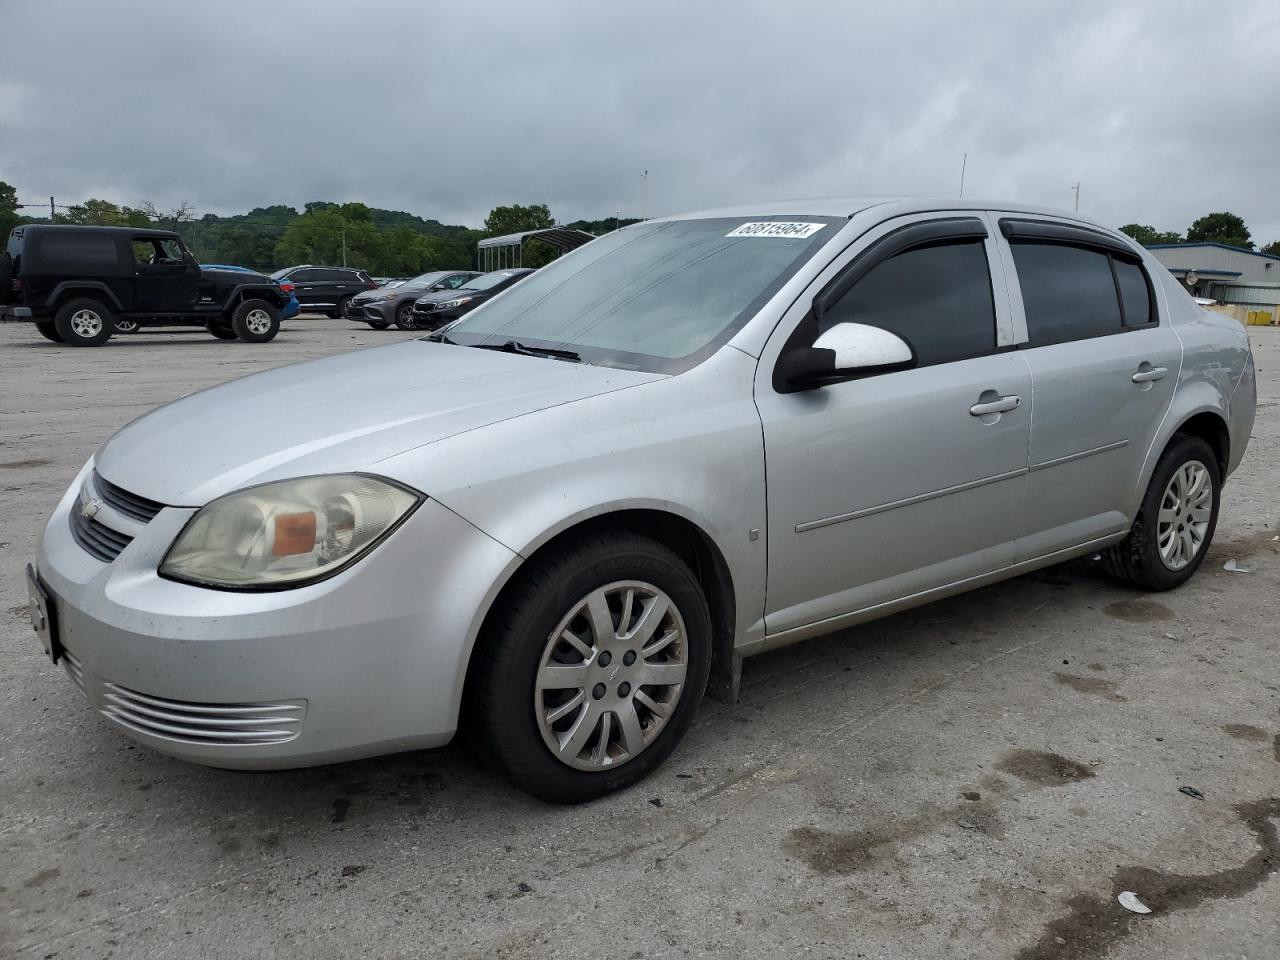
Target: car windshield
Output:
{"points": [[654, 296], [423, 280], [488, 280]]}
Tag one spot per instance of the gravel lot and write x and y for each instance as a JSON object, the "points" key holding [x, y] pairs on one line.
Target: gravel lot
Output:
{"points": [[977, 778]]}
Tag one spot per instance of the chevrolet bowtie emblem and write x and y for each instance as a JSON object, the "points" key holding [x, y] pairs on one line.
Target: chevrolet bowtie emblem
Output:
{"points": [[90, 509]]}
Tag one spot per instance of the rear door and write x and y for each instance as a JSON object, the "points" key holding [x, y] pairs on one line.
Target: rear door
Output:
{"points": [[308, 287], [899, 483], [1103, 369]]}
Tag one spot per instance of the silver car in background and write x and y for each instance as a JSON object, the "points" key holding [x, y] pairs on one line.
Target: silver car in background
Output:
{"points": [[689, 441]]}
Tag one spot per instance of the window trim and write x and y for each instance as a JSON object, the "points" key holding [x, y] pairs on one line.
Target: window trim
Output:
{"points": [[1079, 239], [923, 233]]}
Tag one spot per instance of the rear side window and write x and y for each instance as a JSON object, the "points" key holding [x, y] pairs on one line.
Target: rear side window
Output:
{"points": [[937, 298], [1068, 292], [1135, 294], [73, 251], [338, 276]]}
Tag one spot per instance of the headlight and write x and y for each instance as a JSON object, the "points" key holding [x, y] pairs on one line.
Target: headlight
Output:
{"points": [[450, 304], [287, 533], [382, 296]]}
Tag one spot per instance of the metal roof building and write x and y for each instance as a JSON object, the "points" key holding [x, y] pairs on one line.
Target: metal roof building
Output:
{"points": [[1205, 267]]}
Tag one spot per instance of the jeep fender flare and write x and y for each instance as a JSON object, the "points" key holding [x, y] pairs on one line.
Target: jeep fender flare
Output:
{"points": [[74, 287], [244, 291]]}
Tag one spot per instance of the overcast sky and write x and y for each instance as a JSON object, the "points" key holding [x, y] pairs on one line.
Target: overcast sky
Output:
{"points": [[1161, 110]]}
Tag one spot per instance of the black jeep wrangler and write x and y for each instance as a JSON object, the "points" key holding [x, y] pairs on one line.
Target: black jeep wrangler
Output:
{"points": [[81, 284]]}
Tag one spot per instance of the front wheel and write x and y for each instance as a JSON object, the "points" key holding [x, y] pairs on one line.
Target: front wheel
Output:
{"points": [[1175, 523], [594, 665], [255, 321], [404, 317], [120, 325], [83, 323]]}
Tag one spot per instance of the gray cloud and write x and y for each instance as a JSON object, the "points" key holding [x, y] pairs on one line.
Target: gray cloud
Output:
{"points": [[446, 111]]}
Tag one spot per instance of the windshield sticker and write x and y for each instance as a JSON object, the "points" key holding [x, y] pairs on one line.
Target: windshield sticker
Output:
{"points": [[776, 228]]}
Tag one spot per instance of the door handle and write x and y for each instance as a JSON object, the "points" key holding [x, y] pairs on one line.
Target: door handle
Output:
{"points": [[1146, 374], [999, 405]]}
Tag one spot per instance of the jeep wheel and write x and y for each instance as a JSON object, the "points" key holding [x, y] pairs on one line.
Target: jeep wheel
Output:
{"points": [[124, 326], [220, 329], [255, 321], [48, 330], [83, 323]]}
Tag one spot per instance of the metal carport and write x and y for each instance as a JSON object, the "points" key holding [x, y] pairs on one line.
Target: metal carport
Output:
{"points": [[496, 253]]}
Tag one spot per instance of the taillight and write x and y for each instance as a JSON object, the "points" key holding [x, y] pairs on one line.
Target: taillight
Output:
{"points": [[287, 287]]}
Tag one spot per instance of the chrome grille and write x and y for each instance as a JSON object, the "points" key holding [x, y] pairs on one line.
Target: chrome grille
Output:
{"points": [[122, 501], [97, 538], [216, 724]]}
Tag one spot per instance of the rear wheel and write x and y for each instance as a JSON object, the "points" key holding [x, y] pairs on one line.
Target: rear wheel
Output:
{"points": [[255, 321], [1175, 523], [344, 308], [48, 330], [83, 323], [404, 316], [594, 666]]}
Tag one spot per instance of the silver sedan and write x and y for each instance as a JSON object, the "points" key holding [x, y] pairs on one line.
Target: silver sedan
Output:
{"points": [[576, 509]]}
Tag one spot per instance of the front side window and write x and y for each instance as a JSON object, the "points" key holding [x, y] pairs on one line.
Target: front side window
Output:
{"points": [[658, 296], [1068, 292], [154, 251], [937, 298]]}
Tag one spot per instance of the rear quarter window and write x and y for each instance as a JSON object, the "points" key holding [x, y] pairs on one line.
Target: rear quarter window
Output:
{"points": [[77, 252], [1135, 293]]}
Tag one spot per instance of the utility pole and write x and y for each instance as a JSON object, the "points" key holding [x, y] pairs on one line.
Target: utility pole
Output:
{"points": [[344, 242], [645, 177], [1075, 188], [963, 161], [51, 213]]}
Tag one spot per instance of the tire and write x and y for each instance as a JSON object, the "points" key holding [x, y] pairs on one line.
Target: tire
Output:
{"points": [[378, 324], [255, 321], [404, 316], [1138, 560], [344, 308], [220, 329], [523, 638], [83, 322], [120, 325], [48, 330]]}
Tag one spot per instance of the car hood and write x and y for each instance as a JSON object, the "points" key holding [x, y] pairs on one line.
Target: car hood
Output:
{"points": [[442, 295], [368, 295], [337, 414]]}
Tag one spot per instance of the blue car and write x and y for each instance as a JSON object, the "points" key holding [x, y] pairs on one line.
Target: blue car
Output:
{"points": [[290, 309]]}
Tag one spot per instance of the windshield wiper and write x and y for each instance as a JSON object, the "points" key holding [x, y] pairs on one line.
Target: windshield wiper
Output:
{"points": [[515, 346], [439, 337]]}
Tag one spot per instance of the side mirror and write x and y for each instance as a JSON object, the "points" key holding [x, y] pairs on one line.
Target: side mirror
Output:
{"points": [[845, 351]]}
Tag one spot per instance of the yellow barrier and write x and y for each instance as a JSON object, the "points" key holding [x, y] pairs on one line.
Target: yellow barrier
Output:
{"points": [[1260, 318]]}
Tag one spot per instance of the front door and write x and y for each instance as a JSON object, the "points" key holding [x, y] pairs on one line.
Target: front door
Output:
{"points": [[895, 484], [1104, 370], [165, 279]]}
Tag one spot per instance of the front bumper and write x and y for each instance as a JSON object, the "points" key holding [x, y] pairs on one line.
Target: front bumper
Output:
{"points": [[365, 663], [376, 311]]}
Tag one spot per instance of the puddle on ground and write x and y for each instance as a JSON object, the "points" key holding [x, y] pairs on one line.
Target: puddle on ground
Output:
{"points": [[1138, 611], [1094, 924], [1095, 685], [1042, 768], [1243, 731]]}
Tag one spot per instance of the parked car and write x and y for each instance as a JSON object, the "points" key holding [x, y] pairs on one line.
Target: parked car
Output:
{"points": [[80, 284], [326, 289], [291, 308], [393, 303], [435, 309], [936, 396]]}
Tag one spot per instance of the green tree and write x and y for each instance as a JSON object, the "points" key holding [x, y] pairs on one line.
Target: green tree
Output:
{"points": [[517, 219], [1272, 248], [327, 236], [1220, 228], [1147, 235], [8, 210], [104, 213]]}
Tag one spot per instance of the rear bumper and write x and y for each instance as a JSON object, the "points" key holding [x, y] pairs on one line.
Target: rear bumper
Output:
{"points": [[15, 313]]}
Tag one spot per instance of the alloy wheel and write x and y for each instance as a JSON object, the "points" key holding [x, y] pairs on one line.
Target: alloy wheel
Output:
{"points": [[1185, 510], [611, 675], [258, 321], [86, 323]]}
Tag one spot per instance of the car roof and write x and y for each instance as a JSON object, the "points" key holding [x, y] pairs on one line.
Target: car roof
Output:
{"points": [[848, 207], [132, 231]]}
